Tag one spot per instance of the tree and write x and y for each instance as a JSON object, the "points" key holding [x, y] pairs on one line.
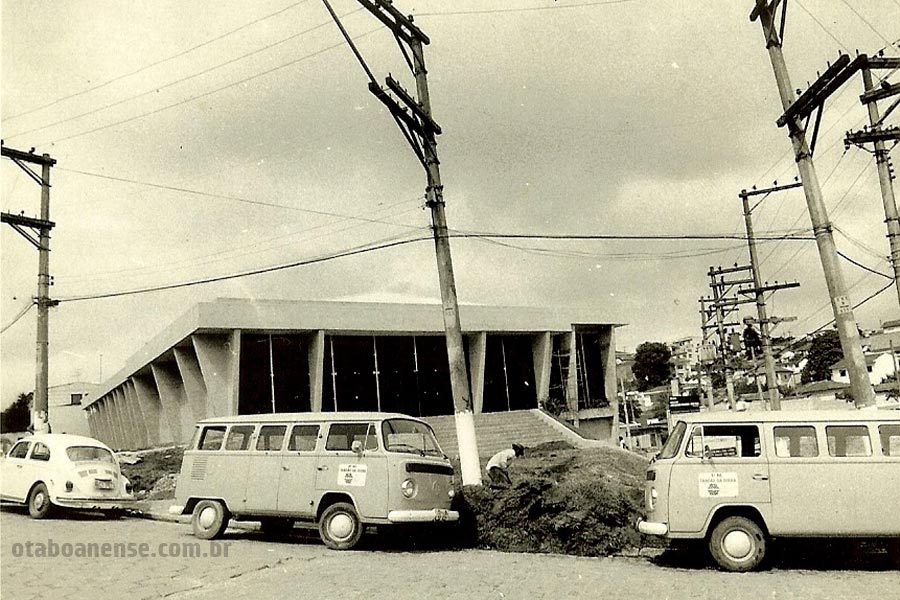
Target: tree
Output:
{"points": [[824, 351], [17, 416], [651, 365]]}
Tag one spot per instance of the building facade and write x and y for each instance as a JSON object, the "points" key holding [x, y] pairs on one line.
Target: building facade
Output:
{"points": [[232, 357]]}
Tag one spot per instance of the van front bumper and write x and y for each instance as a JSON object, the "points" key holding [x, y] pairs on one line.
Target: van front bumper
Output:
{"points": [[176, 509], [423, 516], [651, 528]]}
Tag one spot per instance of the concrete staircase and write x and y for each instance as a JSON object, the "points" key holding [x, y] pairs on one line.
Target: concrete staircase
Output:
{"points": [[497, 431]]}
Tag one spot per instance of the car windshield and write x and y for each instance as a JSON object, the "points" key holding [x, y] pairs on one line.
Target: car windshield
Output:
{"points": [[671, 447], [89, 453], [413, 437]]}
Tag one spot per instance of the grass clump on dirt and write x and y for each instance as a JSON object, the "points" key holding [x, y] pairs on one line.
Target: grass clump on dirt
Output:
{"points": [[563, 501], [154, 475]]}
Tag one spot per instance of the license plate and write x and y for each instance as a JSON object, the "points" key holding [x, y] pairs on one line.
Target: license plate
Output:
{"points": [[103, 484], [440, 515]]}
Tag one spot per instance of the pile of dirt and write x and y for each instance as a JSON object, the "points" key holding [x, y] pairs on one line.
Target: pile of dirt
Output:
{"points": [[581, 502], [155, 466]]}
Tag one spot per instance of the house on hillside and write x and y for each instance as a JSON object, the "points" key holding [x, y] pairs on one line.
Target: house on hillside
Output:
{"points": [[879, 366]]}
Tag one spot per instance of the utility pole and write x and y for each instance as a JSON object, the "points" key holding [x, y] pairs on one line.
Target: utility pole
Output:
{"points": [[413, 116], [795, 109], [722, 307], [759, 290], [877, 134], [39, 237]]}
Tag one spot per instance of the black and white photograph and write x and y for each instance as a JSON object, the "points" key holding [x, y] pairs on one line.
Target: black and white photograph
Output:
{"points": [[482, 299]]}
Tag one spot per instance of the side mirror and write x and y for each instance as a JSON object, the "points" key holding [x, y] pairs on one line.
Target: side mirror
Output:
{"points": [[357, 447]]}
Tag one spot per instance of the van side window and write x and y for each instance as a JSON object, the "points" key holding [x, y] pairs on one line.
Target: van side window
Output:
{"points": [[342, 435], [796, 441], [211, 438], [239, 437], [723, 441], [890, 439], [848, 440], [271, 437], [303, 438]]}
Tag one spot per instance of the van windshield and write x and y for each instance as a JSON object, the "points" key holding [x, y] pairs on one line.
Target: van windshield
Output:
{"points": [[413, 437], [674, 442]]}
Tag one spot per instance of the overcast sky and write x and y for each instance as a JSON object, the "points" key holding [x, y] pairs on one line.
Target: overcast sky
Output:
{"points": [[580, 117]]}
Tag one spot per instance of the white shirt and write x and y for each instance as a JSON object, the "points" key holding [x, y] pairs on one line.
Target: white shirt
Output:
{"points": [[502, 458]]}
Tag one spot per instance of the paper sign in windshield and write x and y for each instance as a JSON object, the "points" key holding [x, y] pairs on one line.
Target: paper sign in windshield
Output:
{"points": [[718, 485]]}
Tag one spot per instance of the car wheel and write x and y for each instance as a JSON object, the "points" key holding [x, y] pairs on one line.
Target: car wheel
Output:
{"points": [[210, 519], [276, 526], [737, 544], [39, 502], [340, 527]]}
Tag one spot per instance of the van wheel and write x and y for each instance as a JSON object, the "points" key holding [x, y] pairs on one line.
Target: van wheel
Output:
{"points": [[210, 519], [340, 527], [39, 502], [737, 544], [276, 526]]}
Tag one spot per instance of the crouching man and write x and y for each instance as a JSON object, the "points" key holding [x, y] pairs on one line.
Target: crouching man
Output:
{"points": [[498, 466]]}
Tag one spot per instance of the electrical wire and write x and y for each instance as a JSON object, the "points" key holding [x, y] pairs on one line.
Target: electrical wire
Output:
{"points": [[864, 20], [862, 266], [15, 320], [489, 11], [157, 63], [208, 93], [156, 89]]}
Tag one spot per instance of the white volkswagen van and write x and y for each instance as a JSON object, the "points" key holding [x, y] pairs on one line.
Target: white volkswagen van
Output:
{"points": [[342, 471], [738, 480]]}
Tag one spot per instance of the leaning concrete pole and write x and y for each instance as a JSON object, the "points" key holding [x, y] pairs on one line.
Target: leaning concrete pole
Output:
{"points": [[860, 386], [459, 379]]}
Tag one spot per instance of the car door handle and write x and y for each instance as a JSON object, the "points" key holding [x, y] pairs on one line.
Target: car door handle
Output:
{"points": [[18, 466], [284, 468], [322, 468], [760, 477]]}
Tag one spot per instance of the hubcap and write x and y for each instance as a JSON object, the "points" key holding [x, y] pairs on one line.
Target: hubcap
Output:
{"points": [[39, 500], [737, 544], [207, 517], [340, 526]]}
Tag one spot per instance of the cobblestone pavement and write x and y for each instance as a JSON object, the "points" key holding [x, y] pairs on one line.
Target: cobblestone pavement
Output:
{"points": [[244, 564]]}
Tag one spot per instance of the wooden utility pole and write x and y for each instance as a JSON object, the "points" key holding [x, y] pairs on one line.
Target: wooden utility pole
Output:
{"points": [[795, 109], [723, 306], [877, 134], [39, 237], [759, 290], [413, 116]]}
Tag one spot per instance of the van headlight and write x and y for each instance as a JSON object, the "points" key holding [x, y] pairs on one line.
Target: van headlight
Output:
{"points": [[653, 496], [408, 487]]}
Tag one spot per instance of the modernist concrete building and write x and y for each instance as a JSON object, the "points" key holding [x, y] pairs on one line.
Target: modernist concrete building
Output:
{"points": [[246, 357]]}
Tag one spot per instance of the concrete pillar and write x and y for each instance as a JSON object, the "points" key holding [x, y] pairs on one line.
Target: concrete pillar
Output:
{"points": [[173, 401], [542, 352], [569, 342], [92, 422], [608, 356], [192, 380], [111, 432], [316, 365], [105, 427], [477, 352], [148, 400], [118, 419], [218, 367], [139, 422], [129, 439]]}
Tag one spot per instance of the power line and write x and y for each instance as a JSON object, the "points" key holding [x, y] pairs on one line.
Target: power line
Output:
{"points": [[209, 93], [15, 320], [156, 89], [825, 29], [489, 11], [862, 266], [157, 63], [223, 196], [864, 20]]}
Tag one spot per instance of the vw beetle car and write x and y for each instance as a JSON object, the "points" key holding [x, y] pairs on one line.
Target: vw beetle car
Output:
{"points": [[57, 469]]}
